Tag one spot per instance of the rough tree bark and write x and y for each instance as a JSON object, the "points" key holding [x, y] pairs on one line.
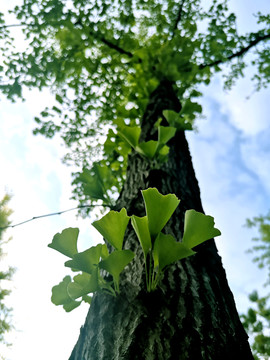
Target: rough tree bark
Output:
{"points": [[193, 314]]}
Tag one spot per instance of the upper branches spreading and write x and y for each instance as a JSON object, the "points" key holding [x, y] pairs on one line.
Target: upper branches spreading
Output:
{"points": [[258, 38], [103, 60]]}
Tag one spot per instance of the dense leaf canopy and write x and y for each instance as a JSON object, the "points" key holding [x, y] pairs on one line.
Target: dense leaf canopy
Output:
{"points": [[102, 59]]}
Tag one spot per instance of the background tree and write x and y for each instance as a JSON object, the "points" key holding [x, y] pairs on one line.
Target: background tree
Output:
{"points": [[114, 66], [257, 319], [5, 322]]}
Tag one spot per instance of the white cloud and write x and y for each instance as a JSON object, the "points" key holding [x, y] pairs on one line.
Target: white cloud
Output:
{"points": [[233, 173]]}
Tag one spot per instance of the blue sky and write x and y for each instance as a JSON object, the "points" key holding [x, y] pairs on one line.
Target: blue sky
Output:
{"points": [[231, 154]]}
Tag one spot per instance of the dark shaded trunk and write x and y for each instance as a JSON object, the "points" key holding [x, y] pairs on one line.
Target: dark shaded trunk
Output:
{"points": [[192, 315]]}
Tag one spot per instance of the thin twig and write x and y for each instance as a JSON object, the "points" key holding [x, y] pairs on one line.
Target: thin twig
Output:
{"points": [[51, 214], [14, 25], [239, 53], [112, 45], [96, 35]]}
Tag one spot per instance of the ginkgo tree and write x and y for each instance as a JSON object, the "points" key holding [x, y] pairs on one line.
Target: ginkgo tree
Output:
{"points": [[126, 76]]}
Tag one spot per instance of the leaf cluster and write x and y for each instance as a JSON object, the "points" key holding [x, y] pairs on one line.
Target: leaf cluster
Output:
{"points": [[103, 59], [159, 249]]}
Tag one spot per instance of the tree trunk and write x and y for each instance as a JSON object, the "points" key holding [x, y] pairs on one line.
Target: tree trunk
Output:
{"points": [[192, 315]]}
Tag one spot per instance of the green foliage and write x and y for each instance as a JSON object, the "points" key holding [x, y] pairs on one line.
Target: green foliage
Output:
{"points": [[262, 249], [167, 250], [257, 322], [159, 250], [176, 120], [91, 261], [66, 242], [113, 226], [257, 319], [149, 148], [159, 208], [115, 264], [102, 60], [5, 322], [198, 228]]}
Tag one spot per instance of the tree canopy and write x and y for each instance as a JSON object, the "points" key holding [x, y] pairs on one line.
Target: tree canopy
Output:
{"points": [[103, 59]]}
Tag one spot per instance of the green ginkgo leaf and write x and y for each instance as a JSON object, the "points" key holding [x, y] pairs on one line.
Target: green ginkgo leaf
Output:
{"points": [[60, 295], [116, 262], [165, 133], [92, 185], [198, 228], [112, 227], [176, 120], [148, 148], [159, 209], [83, 284], [87, 260], [130, 134], [87, 299], [171, 116], [164, 151], [167, 250], [140, 225], [71, 305], [104, 252], [66, 242]]}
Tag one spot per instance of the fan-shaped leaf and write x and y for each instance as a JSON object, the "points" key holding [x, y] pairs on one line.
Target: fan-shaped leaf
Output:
{"points": [[167, 250], [66, 242], [159, 209], [140, 225], [87, 260], [83, 284], [112, 227], [198, 228]]}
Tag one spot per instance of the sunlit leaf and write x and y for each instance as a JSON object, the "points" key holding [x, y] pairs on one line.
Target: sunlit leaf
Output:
{"points": [[83, 284], [165, 133], [92, 185], [148, 148], [167, 250], [87, 260], [87, 299], [71, 305], [112, 227], [116, 262], [60, 295], [159, 209], [176, 120], [140, 225], [198, 228], [66, 242], [130, 134], [164, 151]]}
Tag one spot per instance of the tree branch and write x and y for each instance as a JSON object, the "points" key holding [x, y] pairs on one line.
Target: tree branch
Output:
{"points": [[239, 53], [178, 18], [51, 214], [14, 25], [92, 33], [111, 45]]}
